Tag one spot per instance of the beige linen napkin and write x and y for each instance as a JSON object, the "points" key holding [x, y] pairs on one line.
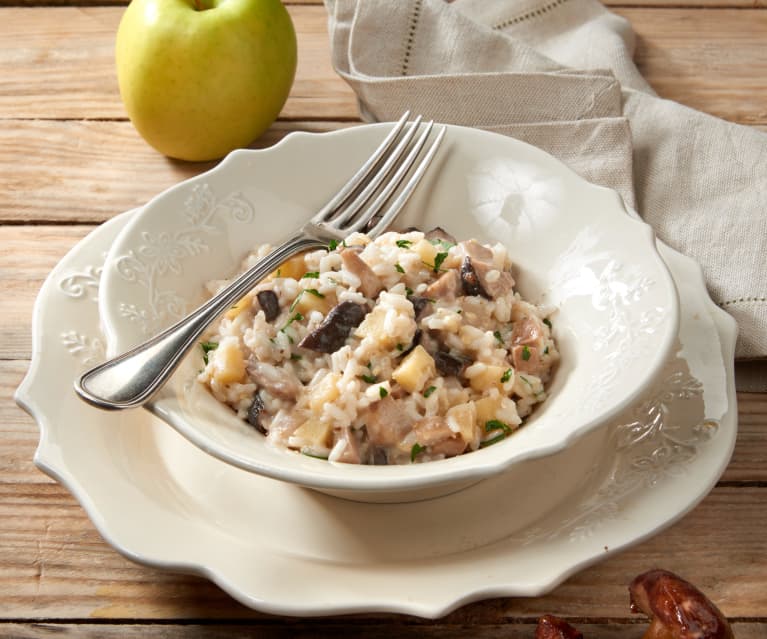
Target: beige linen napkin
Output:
{"points": [[559, 74]]}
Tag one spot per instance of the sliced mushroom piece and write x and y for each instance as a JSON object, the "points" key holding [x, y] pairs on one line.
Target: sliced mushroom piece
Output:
{"points": [[351, 453], [676, 608], [331, 335], [492, 281], [526, 359], [469, 279], [476, 251], [387, 423], [279, 382], [377, 456], [450, 364], [435, 434], [420, 304], [254, 414], [370, 283], [269, 304], [551, 627], [439, 234], [416, 341], [526, 331], [446, 287]]}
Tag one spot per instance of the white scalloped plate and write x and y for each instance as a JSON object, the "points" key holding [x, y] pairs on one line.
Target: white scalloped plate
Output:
{"points": [[279, 548], [573, 246]]}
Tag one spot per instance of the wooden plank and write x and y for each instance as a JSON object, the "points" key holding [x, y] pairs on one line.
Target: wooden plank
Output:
{"points": [[32, 251], [713, 60], [53, 565], [749, 460], [19, 434], [320, 629], [86, 171], [50, 73], [706, 59]]}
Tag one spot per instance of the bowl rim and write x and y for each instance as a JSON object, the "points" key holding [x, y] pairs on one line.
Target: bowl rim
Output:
{"points": [[407, 477]]}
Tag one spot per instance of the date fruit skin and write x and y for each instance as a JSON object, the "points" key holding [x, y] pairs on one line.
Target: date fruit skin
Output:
{"points": [[551, 627], [676, 608]]}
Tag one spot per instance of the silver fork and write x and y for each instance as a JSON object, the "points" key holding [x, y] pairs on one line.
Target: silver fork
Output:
{"points": [[131, 379]]}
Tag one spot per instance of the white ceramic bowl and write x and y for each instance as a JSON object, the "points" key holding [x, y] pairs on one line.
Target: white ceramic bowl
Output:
{"points": [[573, 245]]}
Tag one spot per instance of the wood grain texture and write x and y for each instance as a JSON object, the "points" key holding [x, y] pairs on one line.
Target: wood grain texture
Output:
{"points": [[320, 629], [59, 63], [86, 171], [69, 159], [712, 60], [32, 251], [706, 59], [19, 435], [55, 565]]}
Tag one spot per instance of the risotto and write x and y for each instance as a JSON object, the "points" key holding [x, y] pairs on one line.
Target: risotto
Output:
{"points": [[408, 348]]}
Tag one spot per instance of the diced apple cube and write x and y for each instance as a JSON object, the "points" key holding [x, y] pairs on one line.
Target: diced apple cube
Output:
{"points": [[309, 302], [313, 434], [488, 377], [295, 267], [427, 251], [228, 362], [239, 307], [417, 367], [462, 419], [324, 392], [488, 409], [373, 327]]}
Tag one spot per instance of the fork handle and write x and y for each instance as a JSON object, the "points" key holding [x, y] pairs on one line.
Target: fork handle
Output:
{"points": [[131, 379]]}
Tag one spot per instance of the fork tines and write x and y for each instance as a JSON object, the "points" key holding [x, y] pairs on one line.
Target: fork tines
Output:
{"points": [[359, 205]]}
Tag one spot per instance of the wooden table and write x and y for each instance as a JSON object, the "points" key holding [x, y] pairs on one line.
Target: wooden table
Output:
{"points": [[69, 160]]}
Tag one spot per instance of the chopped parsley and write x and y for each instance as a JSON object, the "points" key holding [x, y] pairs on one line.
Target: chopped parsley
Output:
{"points": [[526, 381], [506, 375], [295, 301], [492, 440], [443, 243], [497, 424], [333, 244], [206, 348], [429, 391], [400, 347], [499, 337], [547, 321], [310, 275], [408, 291], [309, 453], [295, 357], [399, 268], [403, 244], [294, 318], [546, 351], [370, 379], [525, 353], [382, 392], [311, 291], [416, 450], [438, 259]]}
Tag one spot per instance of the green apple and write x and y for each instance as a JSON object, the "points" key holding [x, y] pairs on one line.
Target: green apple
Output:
{"points": [[202, 77]]}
